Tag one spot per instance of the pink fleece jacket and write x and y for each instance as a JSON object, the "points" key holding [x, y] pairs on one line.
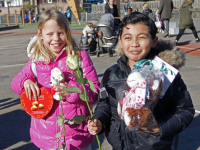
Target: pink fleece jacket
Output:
{"points": [[43, 131]]}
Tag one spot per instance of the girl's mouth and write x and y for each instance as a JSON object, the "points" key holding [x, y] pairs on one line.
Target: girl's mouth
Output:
{"points": [[135, 52]]}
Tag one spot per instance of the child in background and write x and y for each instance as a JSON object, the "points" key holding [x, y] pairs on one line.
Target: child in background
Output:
{"points": [[129, 11], [173, 113], [87, 32], [50, 49], [146, 9], [126, 6]]}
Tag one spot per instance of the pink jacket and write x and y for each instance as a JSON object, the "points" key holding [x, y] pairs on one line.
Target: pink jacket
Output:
{"points": [[43, 131]]}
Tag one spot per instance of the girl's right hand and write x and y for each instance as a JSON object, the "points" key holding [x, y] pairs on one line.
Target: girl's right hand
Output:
{"points": [[31, 87], [94, 127]]}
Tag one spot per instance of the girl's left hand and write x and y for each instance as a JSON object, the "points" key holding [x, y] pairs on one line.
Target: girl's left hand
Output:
{"points": [[60, 90]]}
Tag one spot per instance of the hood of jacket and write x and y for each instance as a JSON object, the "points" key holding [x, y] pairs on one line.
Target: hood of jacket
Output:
{"points": [[166, 51], [31, 48]]}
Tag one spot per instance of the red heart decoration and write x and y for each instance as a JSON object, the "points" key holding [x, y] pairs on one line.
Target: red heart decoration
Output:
{"points": [[38, 108]]}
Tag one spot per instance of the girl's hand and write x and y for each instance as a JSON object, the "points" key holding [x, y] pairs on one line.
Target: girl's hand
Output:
{"points": [[59, 89], [31, 87], [94, 127]]}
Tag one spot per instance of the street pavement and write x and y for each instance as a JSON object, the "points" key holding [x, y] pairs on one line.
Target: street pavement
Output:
{"points": [[15, 123]]}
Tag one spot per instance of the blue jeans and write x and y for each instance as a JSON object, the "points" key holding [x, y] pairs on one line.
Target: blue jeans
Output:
{"points": [[86, 38], [166, 25]]}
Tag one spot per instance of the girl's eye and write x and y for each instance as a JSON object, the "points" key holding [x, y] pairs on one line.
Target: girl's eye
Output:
{"points": [[142, 37], [127, 38], [49, 33], [61, 33]]}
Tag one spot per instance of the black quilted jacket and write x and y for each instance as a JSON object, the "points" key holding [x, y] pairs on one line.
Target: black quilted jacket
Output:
{"points": [[174, 112]]}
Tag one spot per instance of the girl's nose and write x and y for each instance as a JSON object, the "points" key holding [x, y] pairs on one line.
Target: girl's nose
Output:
{"points": [[56, 37], [135, 43]]}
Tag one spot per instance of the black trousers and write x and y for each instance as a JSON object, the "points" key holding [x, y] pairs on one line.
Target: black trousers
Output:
{"points": [[181, 31], [69, 20]]}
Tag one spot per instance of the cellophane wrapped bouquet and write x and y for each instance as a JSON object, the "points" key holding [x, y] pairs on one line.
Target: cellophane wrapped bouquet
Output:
{"points": [[144, 85]]}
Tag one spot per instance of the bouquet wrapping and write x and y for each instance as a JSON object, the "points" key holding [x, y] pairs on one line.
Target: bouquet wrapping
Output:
{"points": [[144, 85]]}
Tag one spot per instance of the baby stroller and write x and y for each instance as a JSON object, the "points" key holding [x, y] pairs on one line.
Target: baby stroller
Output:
{"points": [[108, 35], [92, 42]]}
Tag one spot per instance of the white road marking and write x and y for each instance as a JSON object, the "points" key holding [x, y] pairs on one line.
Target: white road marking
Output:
{"points": [[7, 66]]}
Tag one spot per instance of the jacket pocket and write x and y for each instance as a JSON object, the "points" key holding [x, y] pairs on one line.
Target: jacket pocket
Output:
{"points": [[153, 141], [114, 136]]}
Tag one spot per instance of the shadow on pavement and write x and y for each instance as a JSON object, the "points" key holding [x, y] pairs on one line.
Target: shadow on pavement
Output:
{"points": [[14, 127], [183, 43]]}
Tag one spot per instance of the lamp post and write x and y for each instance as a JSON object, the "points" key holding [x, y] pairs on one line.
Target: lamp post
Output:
{"points": [[8, 2]]}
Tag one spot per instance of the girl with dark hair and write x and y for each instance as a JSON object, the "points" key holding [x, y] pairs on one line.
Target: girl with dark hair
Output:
{"points": [[173, 113], [186, 20]]}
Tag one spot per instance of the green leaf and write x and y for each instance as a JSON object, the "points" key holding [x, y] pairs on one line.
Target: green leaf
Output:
{"points": [[59, 148], [59, 117], [81, 81], [79, 119], [92, 86], [82, 96], [69, 121], [57, 141], [72, 75], [60, 122], [58, 135], [72, 89], [61, 127]]}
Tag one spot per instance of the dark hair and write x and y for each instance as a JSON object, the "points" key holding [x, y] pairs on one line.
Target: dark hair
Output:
{"points": [[137, 17]]}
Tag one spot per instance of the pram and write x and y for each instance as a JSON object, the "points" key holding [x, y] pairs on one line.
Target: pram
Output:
{"points": [[92, 44], [108, 35]]}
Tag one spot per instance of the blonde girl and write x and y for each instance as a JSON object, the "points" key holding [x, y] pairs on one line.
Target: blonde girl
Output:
{"points": [[50, 49]]}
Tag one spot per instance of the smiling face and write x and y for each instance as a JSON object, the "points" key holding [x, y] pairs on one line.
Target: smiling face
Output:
{"points": [[52, 36], [136, 42]]}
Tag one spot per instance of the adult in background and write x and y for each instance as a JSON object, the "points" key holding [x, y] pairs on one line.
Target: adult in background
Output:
{"points": [[186, 20], [165, 12], [68, 14], [111, 8]]}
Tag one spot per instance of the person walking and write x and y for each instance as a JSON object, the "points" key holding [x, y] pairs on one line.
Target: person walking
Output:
{"points": [[165, 12], [186, 20], [68, 14]]}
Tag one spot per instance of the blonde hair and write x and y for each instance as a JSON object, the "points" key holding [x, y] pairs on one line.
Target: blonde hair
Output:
{"points": [[146, 5], [189, 1], [90, 24], [41, 49]]}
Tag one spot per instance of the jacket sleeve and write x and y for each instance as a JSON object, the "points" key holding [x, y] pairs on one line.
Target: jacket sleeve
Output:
{"points": [[103, 109], [193, 9], [17, 84], [90, 73], [161, 7], [182, 110]]}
